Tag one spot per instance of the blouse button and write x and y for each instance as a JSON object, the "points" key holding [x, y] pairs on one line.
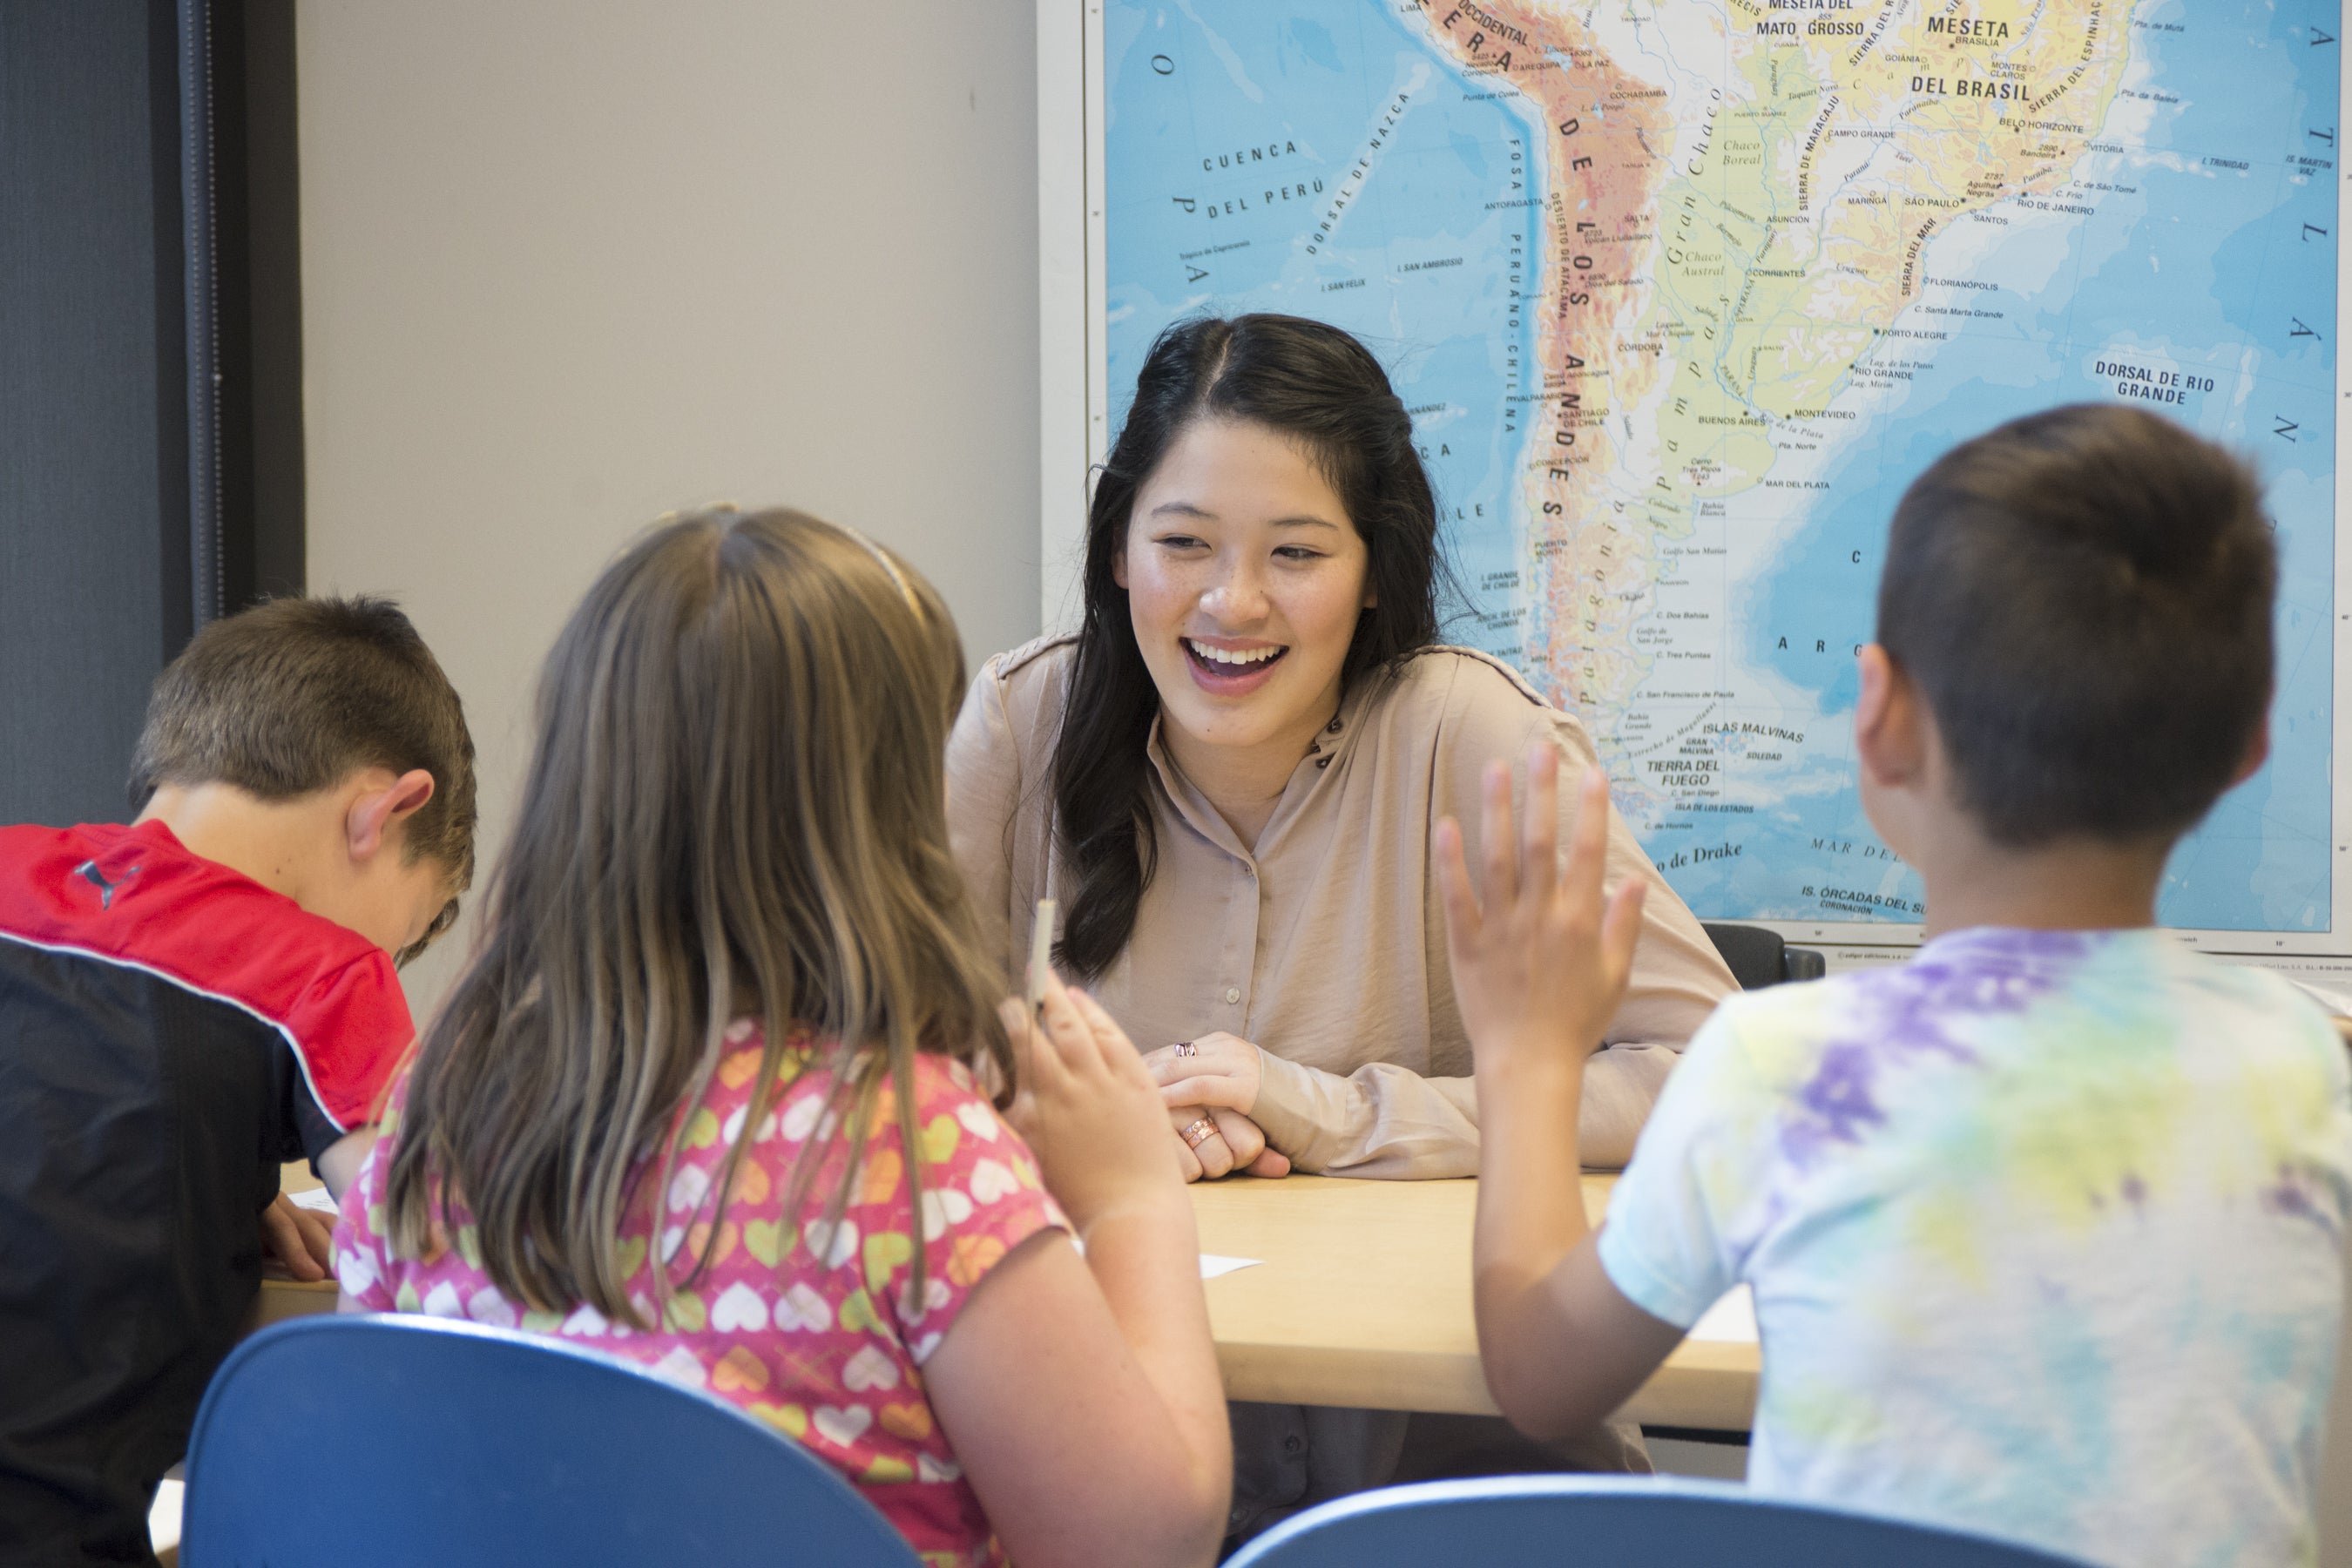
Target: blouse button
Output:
{"points": [[1232, 993], [1333, 726], [1322, 762]]}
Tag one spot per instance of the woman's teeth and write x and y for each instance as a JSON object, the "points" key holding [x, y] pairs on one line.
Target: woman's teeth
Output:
{"points": [[1231, 656]]}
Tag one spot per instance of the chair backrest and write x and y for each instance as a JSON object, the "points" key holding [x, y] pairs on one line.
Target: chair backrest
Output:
{"points": [[388, 1440], [1758, 957], [1753, 953], [1658, 1522]]}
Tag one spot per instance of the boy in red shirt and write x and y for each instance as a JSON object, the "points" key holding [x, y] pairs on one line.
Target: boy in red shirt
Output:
{"points": [[187, 1001]]}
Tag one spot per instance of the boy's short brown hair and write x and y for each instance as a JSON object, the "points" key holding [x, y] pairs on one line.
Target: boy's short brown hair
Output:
{"points": [[294, 694], [2086, 597]]}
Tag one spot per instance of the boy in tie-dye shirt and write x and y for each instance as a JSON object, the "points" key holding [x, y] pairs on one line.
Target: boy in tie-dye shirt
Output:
{"points": [[2045, 1226]]}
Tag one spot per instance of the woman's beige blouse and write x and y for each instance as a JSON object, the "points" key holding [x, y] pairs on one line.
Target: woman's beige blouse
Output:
{"points": [[1326, 947]]}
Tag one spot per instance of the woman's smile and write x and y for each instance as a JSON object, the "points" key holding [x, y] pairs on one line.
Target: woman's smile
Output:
{"points": [[1245, 579], [1228, 667]]}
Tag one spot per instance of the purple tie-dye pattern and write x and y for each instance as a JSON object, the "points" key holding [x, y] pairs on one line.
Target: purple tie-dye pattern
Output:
{"points": [[1837, 1098], [2297, 1194], [1950, 1333], [1907, 1012]]}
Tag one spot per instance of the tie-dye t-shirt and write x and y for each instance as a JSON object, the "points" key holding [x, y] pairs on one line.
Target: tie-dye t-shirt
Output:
{"points": [[810, 1329], [2045, 1234]]}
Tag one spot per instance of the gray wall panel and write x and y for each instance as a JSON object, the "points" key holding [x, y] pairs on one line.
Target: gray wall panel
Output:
{"points": [[92, 410]]}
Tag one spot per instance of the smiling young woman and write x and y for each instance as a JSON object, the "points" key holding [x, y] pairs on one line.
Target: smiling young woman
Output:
{"points": [[1244, 585], [1228, 777]]}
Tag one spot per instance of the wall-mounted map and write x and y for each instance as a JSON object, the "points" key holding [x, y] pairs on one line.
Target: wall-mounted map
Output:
{"points": [[1682, 293]]}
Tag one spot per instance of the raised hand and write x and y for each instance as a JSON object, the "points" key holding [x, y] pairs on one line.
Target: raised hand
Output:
{"points": [[1540, 963], [1087, 1107]]}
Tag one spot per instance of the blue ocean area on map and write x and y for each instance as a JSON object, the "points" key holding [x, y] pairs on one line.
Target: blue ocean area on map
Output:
{"points": [[2204, 268], [1256, 158], [1320, 77]]}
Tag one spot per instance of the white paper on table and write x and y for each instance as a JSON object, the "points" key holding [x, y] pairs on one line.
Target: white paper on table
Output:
{"points": [[1731, 1320], [1212, 1263], [316, 1198], [163, 1514]]}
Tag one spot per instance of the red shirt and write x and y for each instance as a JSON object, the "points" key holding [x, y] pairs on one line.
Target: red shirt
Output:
{"points": [[171, 1031]]}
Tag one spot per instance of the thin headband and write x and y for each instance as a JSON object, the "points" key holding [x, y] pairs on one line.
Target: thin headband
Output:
{"points": [[905, 592]]}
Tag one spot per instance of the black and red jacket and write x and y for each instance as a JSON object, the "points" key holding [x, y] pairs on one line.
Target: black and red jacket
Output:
{"points": [[171, 1032]]}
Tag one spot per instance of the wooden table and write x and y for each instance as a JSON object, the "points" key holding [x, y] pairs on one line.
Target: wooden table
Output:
{"points": [[1363, 1299]]}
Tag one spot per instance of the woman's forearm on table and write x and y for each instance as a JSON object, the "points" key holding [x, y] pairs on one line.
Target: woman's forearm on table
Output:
{"points": [[1380, 1121], [1622, 1082], [1388, 1122]]}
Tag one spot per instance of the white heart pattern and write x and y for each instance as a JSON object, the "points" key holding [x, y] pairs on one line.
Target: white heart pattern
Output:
{"points": [[844, 1240], [585, 1323], [733, 1127], [801, 1308], [739, 1310], [441, 1301], [842, 1425], [489, 1307], [943, 1208], [935, 1295], [991, 1181], [689, 1188], [682, 1366], [929, 1470], [978, 1120], [922, 1349], [672, 1239], [869, 1368], [800, 1118], [740, 1031], [356, 1271]]}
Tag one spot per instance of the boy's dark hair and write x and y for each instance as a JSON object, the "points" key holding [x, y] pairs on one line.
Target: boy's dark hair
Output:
{"points": [[294, 694], [2084, 595]]}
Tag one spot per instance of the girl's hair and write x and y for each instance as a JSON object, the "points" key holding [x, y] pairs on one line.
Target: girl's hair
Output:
{"points": [[735, 806], [1323, 389]]}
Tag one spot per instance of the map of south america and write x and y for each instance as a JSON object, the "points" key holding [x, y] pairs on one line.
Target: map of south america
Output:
{"points": [[1682, 294]]}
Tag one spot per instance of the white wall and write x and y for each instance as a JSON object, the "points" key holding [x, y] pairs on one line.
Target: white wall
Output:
{"points": [[569, 264]]}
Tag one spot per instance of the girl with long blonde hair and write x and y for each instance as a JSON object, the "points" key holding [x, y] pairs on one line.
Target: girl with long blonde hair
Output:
{"points": [[712, 1092]]}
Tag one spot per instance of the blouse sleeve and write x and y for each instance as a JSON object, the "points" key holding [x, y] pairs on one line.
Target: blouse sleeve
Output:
{"points": [[983, 767], [1386, 1120]]}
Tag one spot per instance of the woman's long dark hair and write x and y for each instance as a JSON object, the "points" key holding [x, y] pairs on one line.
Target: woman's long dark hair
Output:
{"points": [[1322, 388]]}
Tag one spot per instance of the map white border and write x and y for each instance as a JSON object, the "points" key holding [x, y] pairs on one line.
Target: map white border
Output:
{"points": [[1074, 437]]}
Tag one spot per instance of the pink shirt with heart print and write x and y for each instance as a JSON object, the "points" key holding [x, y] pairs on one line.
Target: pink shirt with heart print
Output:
{"points": [[810, 1330]]}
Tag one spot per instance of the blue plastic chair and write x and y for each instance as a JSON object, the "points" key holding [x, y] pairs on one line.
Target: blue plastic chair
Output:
{"points": [[394, 1441], [1520, 1522]]}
